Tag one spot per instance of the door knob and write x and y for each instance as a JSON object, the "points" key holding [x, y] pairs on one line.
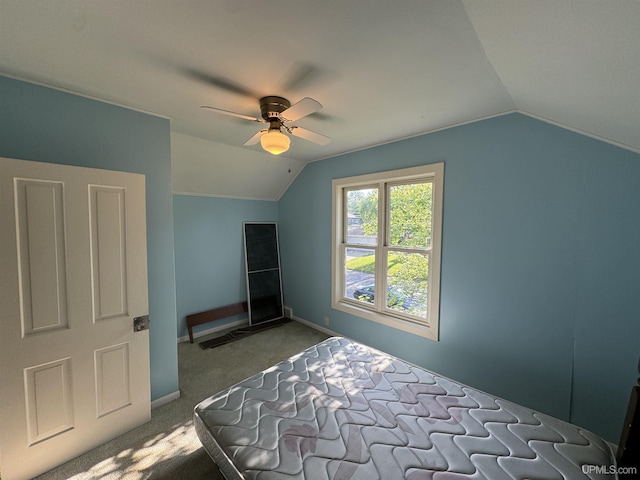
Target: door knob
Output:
{"points": [[141, 323]]}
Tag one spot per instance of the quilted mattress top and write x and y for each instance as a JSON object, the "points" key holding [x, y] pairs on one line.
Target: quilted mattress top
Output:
{"points": [[341, 410]]}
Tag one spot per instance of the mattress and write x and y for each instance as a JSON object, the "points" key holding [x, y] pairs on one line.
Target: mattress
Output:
{"points": [[344, 411]]}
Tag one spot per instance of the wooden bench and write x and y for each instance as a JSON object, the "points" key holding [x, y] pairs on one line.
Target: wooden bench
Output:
{"points": [[215, 314]]}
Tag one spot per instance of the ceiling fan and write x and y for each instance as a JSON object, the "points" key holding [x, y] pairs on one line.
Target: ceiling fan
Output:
{"points": [[279, 114]]}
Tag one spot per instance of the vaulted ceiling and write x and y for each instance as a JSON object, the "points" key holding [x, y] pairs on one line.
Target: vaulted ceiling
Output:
{"points": [[382, 70]]}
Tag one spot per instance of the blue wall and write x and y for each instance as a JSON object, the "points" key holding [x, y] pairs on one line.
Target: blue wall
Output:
{"points": [[540, 292], [539, 297], [210, 252], [46, 125]]}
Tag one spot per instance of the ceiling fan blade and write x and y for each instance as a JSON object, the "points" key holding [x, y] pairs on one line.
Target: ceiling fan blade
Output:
{"points": [[233, 114], [304, 107], [256, 138], [221, 82], [309, 135], [300, 75]]}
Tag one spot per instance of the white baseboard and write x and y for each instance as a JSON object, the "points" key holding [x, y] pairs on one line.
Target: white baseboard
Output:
{"points": [[237, 323], [166, 399], [331, 333]]}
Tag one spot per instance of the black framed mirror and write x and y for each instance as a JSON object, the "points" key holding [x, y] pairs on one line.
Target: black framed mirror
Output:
{"points": [[262, 261]]}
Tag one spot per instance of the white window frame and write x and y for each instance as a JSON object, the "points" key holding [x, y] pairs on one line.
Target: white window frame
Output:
{"points": [[378, 313]]}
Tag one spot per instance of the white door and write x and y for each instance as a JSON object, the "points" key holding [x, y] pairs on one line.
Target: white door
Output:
{"points": [[73, 275]]}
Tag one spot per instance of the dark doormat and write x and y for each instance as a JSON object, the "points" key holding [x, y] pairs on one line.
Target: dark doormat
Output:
{"points": [[243, 332]]}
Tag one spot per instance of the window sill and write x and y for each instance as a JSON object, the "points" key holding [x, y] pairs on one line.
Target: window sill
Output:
{"points": [[426, 331]]}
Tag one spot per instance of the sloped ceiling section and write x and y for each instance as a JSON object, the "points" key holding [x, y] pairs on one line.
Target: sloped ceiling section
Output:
{"points": [[382, 70], [575, 63], [202, 167]]}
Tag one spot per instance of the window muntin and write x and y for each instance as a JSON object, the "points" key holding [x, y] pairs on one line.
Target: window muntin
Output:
{"points": [[395, 280]]}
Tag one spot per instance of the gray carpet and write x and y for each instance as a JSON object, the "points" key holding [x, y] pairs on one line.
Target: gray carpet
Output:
{"points": [[167, 447]]}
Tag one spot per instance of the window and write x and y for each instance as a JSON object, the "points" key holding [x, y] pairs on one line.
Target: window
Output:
{"points": [[386, 247]]}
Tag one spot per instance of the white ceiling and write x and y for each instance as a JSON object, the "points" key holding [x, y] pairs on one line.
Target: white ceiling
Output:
{"points": [[383, 70]]}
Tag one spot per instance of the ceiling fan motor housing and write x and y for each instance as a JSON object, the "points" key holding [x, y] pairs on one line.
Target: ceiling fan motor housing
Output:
{"points": [[271, 107], [279, 113]]}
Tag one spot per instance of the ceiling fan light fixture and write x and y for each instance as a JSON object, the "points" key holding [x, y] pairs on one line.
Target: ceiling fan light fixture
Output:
{"points": [[275, 142]]}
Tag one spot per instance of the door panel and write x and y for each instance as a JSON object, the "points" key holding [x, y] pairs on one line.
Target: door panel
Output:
{"points": [[41, 252], [108, 251], [73, 374], [49, 400], [112, 379]]}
